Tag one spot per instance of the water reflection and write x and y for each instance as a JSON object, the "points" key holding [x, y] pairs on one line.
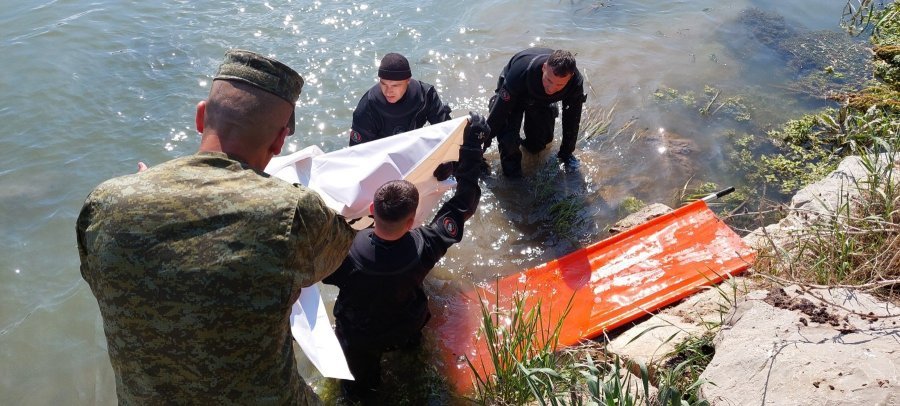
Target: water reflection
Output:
{"points": [[98, 86]]}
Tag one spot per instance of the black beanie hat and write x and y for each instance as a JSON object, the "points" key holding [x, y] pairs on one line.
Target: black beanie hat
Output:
{"points": [[394, 67]]}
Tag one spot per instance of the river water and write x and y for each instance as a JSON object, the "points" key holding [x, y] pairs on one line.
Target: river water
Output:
{"points": [[91, 87]]}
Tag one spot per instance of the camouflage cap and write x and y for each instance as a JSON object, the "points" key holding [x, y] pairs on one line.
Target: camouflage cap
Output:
{"points": [[264, 73]]}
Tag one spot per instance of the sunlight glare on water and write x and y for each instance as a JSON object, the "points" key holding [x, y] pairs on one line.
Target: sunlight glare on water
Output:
{"points": [[96, 87]]}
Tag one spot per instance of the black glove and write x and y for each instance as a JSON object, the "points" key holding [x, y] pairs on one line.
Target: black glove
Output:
{"points": [[444, 170], [570, 163], [470, 153], [486, 144], [477, 132]]}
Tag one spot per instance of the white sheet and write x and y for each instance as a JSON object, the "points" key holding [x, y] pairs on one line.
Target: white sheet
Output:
{"points": [[347, 179], [311, 328]]}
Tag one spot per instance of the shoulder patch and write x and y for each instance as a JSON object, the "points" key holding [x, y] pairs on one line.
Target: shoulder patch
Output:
{"points": [[450, 227], [355, 136], [504, 94]]}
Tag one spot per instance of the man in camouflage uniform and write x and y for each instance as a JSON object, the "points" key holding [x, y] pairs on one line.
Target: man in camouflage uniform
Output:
{"points": [[195, 262]]}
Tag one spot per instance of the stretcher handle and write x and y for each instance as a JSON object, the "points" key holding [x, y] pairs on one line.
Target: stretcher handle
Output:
{"points": [[718, 194]]}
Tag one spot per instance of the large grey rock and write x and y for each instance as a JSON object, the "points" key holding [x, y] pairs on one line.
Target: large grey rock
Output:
{"points": [[786, 347], [817, 202], [652, 340]]}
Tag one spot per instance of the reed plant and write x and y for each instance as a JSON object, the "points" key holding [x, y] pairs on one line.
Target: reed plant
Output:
{"points": [[595, 122], [569, 377], [530, 368], [858, 15], [611, 384], [679, 377], [522, 347], [859, 243]]}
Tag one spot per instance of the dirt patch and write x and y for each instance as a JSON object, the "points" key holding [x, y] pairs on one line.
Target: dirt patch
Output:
{"points": [[817, 314]]}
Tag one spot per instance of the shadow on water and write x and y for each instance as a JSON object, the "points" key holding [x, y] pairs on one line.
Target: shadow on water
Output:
{"points": [[550, 208]]}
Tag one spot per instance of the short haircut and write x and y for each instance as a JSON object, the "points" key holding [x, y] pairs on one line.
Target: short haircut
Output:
{"points": [[238, 110], [395, 201], [562, 63]]}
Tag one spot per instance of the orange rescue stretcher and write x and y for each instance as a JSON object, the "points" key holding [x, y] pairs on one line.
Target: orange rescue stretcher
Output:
{"points": [[609, 283]]}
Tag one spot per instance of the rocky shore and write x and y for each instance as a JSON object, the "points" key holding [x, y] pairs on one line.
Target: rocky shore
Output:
{"points": [[778, 343]]}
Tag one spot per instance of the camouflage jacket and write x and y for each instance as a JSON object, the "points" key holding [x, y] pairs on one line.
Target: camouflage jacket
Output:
{"points": [[195, 264]]}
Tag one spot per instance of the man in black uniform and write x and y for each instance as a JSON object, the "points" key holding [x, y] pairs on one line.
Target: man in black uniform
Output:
{"points": [[381, 305], [396, 104], [530, 85]]}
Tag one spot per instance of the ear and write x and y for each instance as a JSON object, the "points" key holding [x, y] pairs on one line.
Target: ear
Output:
{"points": [[278, 142], [200, 116], [372, 208], [411, 221]]}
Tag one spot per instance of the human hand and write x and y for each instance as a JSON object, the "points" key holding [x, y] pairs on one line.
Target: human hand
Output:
{"points": [[477, 132]]}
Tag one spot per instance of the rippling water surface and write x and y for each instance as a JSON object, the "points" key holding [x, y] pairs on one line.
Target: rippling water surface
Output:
{"points": [[89, 88]]}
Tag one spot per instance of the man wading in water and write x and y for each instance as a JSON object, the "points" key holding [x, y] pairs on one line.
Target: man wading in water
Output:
{"points": [[529, 87], [395, 105], [381, 305]]}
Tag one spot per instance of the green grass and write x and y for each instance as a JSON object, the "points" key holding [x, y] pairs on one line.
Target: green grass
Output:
{"points": [[610, 383], [857, 244], [679, 376], [521, 348], [529, 368]]}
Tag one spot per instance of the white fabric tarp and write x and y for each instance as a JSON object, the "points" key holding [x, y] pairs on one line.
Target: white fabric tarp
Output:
{"points": [[346, 180]]}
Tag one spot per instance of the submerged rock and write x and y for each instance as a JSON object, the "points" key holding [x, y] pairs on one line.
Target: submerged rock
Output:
{"points": [[823, 62], [765, 28], [672, 151], [641, 216]]}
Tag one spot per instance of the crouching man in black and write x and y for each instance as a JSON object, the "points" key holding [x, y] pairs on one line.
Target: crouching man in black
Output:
{"points": [[381, 305]]}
